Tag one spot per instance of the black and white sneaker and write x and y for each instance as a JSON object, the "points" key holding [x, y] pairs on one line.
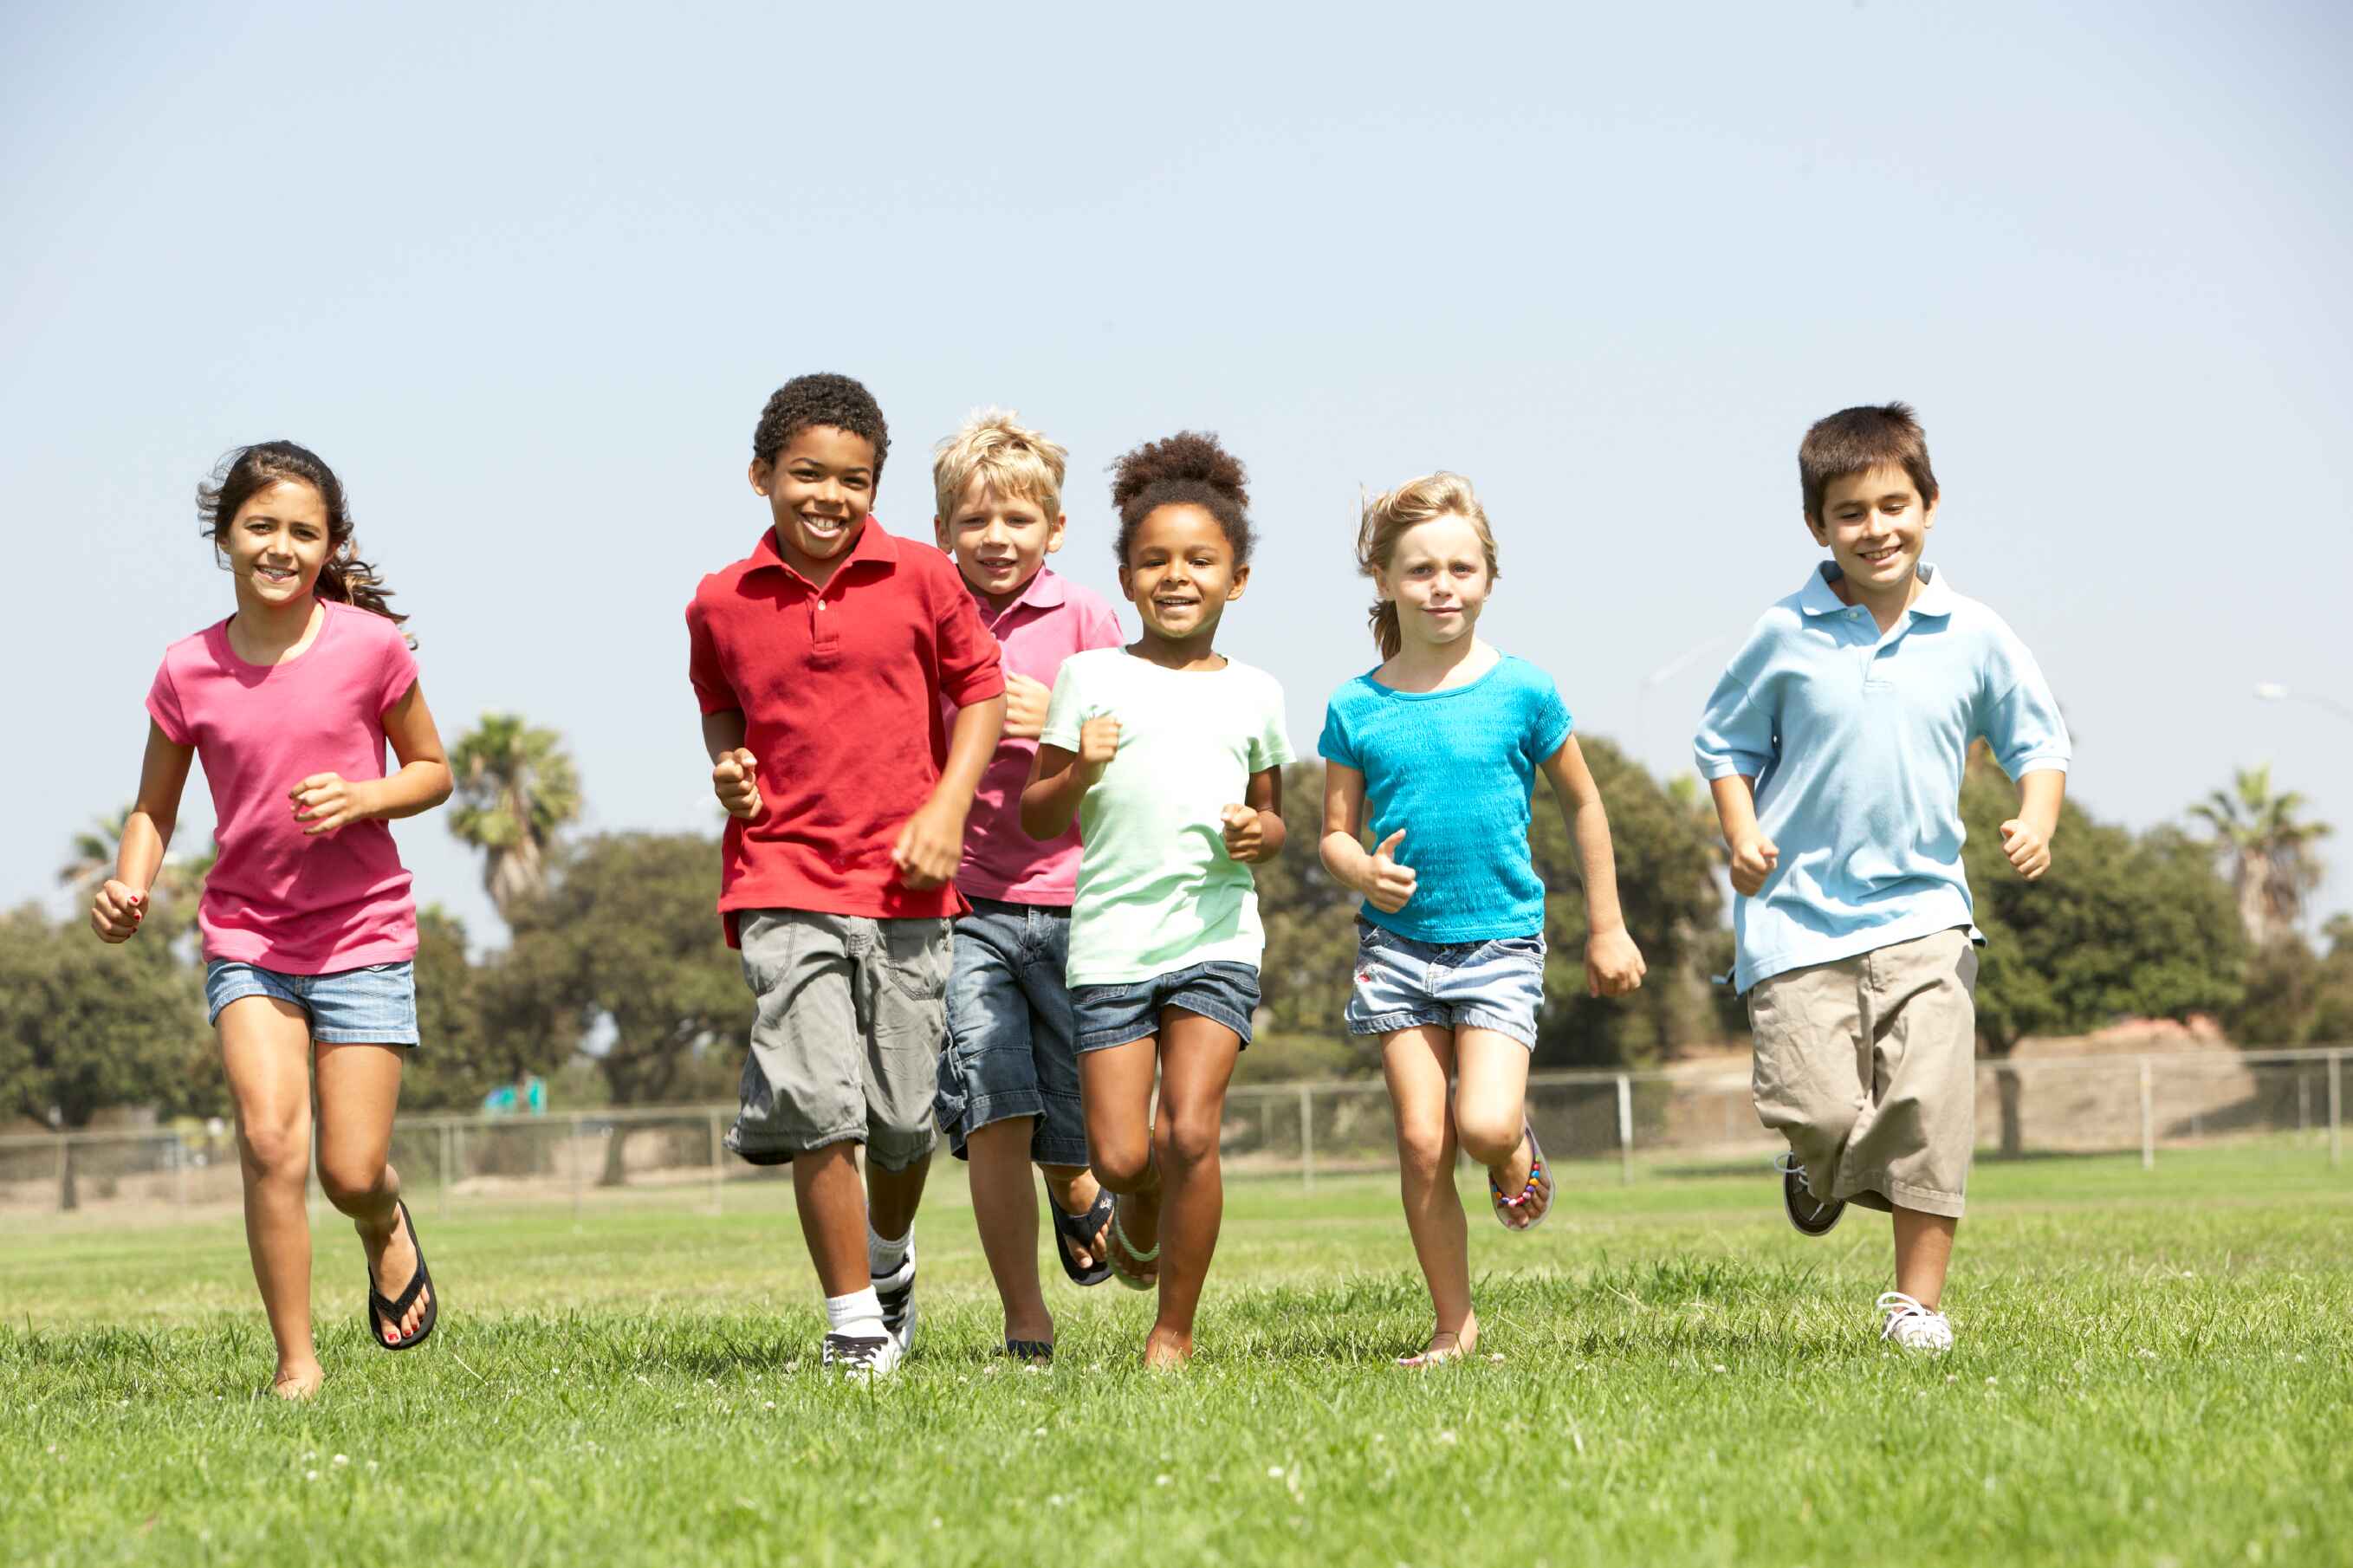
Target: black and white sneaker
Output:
{"points": [[896, 1291], [862, 1355], [1810, 1214]]}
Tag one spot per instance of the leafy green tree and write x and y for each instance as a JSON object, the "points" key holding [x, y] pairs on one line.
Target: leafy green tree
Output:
{"points": [[623, 954], [2269, 847], [516, 788], [2119, 927], [84, 1026], [460, 1058]]}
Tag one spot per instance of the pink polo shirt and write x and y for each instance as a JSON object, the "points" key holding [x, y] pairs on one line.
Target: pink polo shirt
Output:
{"points": [[1050, 619], [277, 897]]}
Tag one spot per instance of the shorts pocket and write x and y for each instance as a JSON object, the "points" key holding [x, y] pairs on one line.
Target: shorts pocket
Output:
{"points": [[916, 956]]}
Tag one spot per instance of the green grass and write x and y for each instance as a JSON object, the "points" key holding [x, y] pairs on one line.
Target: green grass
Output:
{"points": [[2151, 1367]]}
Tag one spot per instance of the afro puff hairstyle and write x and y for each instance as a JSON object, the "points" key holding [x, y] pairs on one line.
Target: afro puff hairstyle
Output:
{"points": [[820, 399], [1188, 468]]}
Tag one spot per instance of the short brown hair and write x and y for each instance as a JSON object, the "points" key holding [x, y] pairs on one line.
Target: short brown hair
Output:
{"points": [[1857, 440]]}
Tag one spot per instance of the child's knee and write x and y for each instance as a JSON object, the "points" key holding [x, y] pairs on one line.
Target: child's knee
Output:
{"points": [[276, 1151], [1188, 1136], [1490, 1135], [1121, 1165], [349, 1183], [1421, 1143]]}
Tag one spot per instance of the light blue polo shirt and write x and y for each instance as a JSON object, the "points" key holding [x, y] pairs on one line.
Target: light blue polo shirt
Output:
{"points": [[1857, 742]]}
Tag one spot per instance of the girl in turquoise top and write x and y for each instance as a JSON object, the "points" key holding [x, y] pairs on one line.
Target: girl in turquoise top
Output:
{"points": [[1436, 753]]}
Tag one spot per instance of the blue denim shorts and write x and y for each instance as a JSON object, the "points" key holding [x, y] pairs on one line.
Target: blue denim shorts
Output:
{"points": [[1401, 983], [1012, 1046], [375, 1005], [1111, 1015]]}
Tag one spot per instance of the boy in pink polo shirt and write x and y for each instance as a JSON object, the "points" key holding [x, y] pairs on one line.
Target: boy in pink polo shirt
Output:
{"points": [[1008, 1081], [826, 664]]}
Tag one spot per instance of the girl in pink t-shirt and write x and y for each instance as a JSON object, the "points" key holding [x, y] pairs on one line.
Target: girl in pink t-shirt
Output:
{"points": [[309, 928]]}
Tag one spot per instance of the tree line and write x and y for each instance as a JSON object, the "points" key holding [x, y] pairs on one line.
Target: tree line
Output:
{"points": [[612, 975]]}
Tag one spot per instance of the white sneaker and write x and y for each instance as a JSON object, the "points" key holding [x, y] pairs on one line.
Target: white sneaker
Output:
{"points": [[896, 1291], [1913, 1326], [862, 1355]]}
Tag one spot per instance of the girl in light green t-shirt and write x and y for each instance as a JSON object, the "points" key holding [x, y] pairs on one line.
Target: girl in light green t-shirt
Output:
{"points": [[1169, 755]]}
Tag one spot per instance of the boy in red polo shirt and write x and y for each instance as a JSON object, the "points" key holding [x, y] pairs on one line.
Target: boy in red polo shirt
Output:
{"points": [[825, 662]]}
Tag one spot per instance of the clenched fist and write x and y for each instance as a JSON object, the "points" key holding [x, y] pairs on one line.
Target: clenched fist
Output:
{"points": [[735, 779], [1025, 701]]}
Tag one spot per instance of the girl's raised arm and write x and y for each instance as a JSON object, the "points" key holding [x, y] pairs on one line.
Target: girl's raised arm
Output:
{"points": [[1613, 964], [121, 901]]}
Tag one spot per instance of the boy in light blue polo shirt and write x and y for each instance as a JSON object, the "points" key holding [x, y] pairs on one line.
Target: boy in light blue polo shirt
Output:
{"points": [[1835, 746]]}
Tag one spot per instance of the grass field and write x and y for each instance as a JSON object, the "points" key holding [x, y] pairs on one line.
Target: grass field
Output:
{"points": [[2152, 1368]]}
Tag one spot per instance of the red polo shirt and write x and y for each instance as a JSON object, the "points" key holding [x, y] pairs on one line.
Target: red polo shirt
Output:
{"points": [[841, 692]]}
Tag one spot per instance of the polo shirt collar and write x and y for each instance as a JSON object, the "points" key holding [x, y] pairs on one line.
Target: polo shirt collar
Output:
{"points": [[1818, 598], [1042, 591], [873, 544]]}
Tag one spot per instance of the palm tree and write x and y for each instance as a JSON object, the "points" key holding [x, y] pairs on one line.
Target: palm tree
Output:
{"points": [[516, 788], [93, 850], [2272, 864]]}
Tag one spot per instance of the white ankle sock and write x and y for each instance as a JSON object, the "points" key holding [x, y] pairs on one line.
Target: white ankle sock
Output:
{"points": [[884, 1256], [858, 1313]]}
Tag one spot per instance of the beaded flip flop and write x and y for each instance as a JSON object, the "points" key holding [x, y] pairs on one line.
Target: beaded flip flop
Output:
{"points": [[1540, 1182]]}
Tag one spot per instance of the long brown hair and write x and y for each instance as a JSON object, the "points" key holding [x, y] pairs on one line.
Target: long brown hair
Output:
{"points": [[1387, 518], [244, 472]]}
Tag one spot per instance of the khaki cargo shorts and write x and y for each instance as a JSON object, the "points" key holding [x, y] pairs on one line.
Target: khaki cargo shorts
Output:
{"points": [[846, 1044], [1868, 1065]]}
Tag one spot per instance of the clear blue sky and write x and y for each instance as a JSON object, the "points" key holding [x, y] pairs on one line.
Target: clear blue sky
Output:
{"points": [[525, 275]]}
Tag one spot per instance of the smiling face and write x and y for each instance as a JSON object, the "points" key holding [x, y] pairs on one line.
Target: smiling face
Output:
{"points": [[819, 490], [1875, 526], [998, 542], [277, 543], [1439, 580], [1180, 572]]}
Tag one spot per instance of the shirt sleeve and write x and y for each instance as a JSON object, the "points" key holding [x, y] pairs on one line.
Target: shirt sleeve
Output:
{"points": [[1271, 747], [1735, 731], [1101, 628], [971, 669], [1334, 745], [399, 669], [2017, 713], [1549, 722], [704, 667], [163, 707], [1065, 709]]}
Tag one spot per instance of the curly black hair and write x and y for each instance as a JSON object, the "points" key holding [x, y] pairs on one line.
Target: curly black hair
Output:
{"points": [[822, 399], [1188, 468]]}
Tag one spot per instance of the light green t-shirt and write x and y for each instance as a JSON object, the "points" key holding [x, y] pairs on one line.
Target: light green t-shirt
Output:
{"points": [[1157, 890]]}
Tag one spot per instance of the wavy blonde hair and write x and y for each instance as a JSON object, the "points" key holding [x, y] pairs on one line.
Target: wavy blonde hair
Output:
{"points": [[1014, 461], [1388, 515]]}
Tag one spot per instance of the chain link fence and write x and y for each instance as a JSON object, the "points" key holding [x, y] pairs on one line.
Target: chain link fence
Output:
{"points": [[1659, 1122]]}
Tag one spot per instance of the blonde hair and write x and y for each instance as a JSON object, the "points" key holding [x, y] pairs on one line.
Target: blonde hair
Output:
{"points": [[1012, 461], [1387, 518]]}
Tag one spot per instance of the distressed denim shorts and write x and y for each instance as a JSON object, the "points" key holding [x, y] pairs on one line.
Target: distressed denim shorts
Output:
{"points": [[1402, 984], [1012, 1046], [1223, 991], [374, 1006]]}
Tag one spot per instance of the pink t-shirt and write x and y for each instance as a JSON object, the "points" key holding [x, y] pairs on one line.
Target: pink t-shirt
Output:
{"points": [[275, 897], [1049, 620]]}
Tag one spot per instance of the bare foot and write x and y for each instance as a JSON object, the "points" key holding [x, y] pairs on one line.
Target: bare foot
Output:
{"points": [[298, 1382], [392, 1264], [1445, 1345], [1167, 1348], [1510, 1179]]}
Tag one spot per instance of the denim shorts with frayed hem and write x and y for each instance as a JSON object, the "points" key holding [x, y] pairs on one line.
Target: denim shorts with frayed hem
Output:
{"points": [[1402, 984], [375, 1005], [1012, 1046], [1224, 993]]}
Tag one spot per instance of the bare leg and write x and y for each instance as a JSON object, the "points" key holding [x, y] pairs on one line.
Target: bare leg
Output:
{"points": [[891, 1199], [1924, 1250], [266, 1053], [1417, 1063], [359, 1090], [1197, 1063], [831, 1203], [1490, 1108], [1005, 1211], [1115, 1084]]}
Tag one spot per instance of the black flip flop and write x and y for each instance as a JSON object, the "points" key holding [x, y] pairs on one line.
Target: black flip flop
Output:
{"points": [[1080, 1230], [1031, 1353], [381, 1313]]}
